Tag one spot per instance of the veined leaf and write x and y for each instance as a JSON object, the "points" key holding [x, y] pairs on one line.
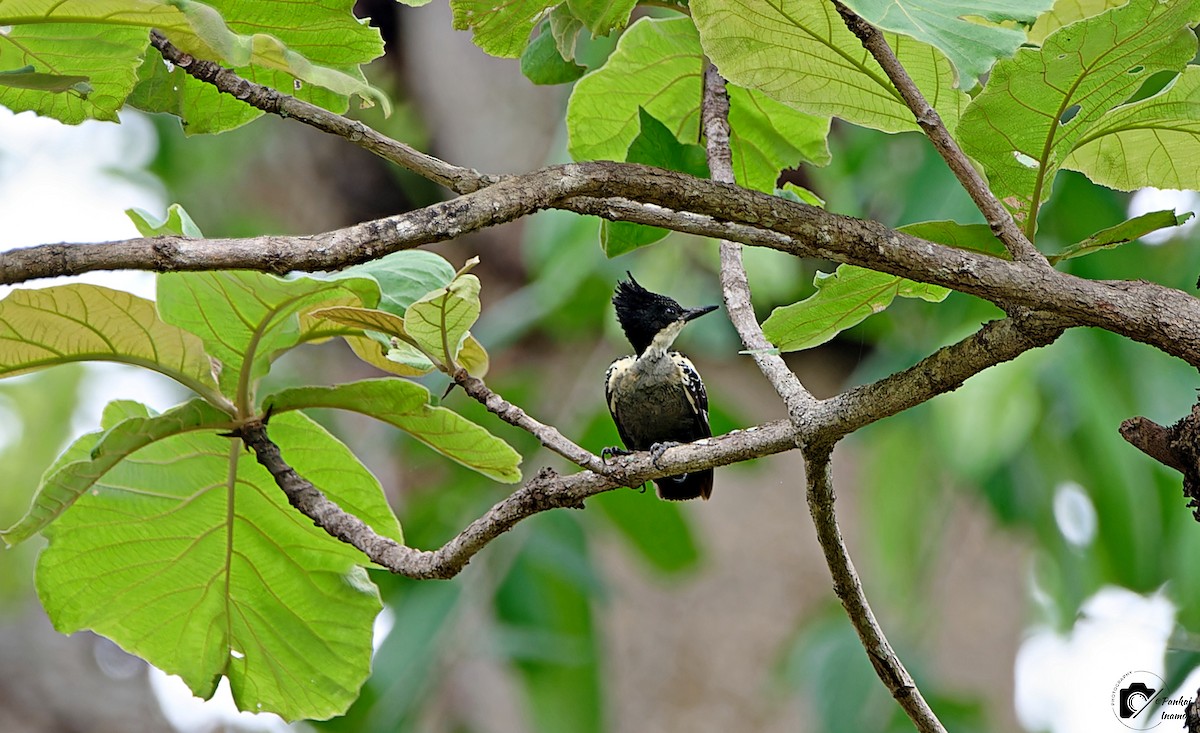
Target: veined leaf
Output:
{"points": [[94, 454], [1151, 142], [405, 405], [1053, 99], [108, 68], [246, 319], [657, 66], [500, 29], [1126, 231], [187, 554], [602, 16], [439, 321], [317, 45], [403, 277], [1066, 12], [800, 53], [79, 322], [971, 46]]}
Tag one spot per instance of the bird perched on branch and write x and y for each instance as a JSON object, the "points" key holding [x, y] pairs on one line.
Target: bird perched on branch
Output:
{"points": [[656, 396]]}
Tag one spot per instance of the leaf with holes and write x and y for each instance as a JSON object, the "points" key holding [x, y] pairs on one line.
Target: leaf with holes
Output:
{"points": [[1042, 104]]}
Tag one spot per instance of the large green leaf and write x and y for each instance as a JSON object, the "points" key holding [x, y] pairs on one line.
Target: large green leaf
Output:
{"points": [[657, 66], [801, 53], [403, 277], [246, 319], [406, 405], [104, 57], [1041, 104], [844, 298], [80, 322], [1152, 142], [953, 28], [601, 16], [1066, 12], [188, 555], [90, 457], [317, 44]]}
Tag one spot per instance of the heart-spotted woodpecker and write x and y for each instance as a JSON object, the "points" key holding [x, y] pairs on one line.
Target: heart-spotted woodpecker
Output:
{"points": [[656, 396]]}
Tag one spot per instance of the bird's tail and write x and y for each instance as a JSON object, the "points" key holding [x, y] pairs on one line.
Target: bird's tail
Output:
{"points": [[694, 485]]}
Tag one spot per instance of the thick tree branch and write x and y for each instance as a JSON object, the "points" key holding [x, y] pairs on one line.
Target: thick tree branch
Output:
{"points": [[459, 180], [735, 287], [1165, 318], [943, 371], [545, 491], [849, 590], [1001, 222]]}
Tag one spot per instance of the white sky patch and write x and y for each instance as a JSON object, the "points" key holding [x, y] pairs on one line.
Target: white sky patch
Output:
{"points": [[190, 714], [1155, 199], [1063, 683]]}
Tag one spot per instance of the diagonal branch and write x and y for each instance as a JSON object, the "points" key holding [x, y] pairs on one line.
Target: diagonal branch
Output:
{"points": [[545, 491], [548, 435], [459, 180], [997, 216], [849, 590]]}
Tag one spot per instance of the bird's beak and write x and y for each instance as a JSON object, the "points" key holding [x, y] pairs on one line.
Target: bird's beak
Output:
{"points": [[693, 313]]}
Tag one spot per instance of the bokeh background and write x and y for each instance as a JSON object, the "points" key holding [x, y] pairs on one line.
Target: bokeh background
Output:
{"points": [[1021, 556]]}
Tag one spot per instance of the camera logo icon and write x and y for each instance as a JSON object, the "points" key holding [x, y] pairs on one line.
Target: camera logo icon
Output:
{"points": [[1135, 700]]}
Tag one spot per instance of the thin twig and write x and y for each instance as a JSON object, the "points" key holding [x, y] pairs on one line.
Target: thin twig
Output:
{"points": [[849, 590], [547, 435], [998, 218], [455, 178], [735, 288]]}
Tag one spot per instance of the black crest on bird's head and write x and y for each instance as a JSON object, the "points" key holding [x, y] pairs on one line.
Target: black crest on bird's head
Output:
{"points": [[642, 314]]}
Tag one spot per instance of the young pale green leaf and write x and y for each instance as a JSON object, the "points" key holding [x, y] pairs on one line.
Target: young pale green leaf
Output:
{"points": [[403, 277], [318, 44], [1151, 142], [541, 62], [108, 70], [94, 454], [657, 66], [1066, 12], [1126, 231], [843, 299], [246, 319], [177, 221], [500, 29], [1043, 103], [405, 405], [79, 322], [473, 357], [565, 28], [799, 194], [439, 321], [384, 334], [188, 555], [800, 53], [952, 27]]}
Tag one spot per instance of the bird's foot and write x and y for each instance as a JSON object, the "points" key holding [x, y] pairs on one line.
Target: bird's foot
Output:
{"points": [[609, 452], [657, 450]]}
